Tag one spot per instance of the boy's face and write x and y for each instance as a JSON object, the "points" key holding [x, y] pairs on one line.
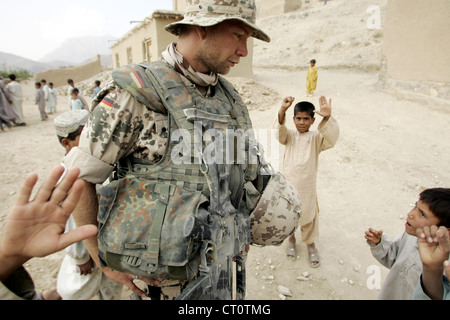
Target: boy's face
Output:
{"points": [[419, 217], [74, 96], [303, 121]]}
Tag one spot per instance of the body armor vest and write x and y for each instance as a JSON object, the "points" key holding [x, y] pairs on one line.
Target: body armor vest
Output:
{"points": [[193, 118], [172, 218]]}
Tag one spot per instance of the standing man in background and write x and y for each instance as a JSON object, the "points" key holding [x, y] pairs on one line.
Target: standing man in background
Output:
{"points": [[15, 92]]}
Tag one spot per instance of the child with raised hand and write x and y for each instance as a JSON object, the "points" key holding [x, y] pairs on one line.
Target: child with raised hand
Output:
{"points": [[402, 255], [301, 158]]}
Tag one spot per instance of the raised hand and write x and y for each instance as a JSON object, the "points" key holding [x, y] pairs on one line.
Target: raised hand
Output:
{"points": [[325, 107], [434, 246], [373, 236], [287, 103], [36, 228]]}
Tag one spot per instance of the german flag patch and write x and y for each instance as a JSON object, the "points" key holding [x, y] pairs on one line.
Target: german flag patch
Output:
{"points": [[107, 104], [137, 78]]}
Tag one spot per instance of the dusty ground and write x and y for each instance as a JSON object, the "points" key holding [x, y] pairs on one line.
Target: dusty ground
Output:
{"points": [[389, 150]]}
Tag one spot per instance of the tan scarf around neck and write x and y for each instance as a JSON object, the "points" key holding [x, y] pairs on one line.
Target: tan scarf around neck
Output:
{"points": [[175, 59]]}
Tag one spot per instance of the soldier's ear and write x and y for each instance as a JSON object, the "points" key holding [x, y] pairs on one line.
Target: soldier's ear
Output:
{"points": [[202, 32]]}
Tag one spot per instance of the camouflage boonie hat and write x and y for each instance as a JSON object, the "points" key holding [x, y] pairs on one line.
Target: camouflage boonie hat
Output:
{"points": [[277, 214], [207, 13]]}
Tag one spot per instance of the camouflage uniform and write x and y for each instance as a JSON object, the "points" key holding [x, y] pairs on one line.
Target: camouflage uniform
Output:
{"points": [[119, 126], [129, 128]]}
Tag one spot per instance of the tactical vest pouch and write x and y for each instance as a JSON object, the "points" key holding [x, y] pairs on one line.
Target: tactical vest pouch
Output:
{"points": [[141, 229]]}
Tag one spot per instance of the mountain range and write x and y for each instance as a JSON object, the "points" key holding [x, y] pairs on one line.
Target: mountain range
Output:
{"points": [[72, 52]]}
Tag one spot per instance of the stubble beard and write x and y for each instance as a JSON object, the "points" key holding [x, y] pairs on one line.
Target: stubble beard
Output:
{"points": [[209, 57]]}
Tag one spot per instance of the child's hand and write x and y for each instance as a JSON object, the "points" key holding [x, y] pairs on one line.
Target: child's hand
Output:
{"points": [[434, 246], [325, 108], [373, 236], [86, 268], [287, 103]]}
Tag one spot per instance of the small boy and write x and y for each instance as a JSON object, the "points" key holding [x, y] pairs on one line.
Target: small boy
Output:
{"points": [[301, 163], [75, 102], [78, 278], [402, 255], [40, 101], [69, 90], [97, 88], [311, 78]]}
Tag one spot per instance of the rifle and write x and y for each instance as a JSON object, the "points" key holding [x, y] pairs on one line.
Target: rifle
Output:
{"points": [[222, 230]]}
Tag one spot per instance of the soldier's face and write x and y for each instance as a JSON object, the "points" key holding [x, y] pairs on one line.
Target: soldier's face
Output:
{"points": [[224, 46]]}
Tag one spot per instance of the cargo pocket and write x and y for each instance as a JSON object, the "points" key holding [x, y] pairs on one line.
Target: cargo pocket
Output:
{"points": [[141, 228]]}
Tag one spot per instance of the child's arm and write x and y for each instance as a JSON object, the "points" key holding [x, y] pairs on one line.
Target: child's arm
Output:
{"points": [[434, 249], [328, 128], [287, 103], [283, 133], [383, 249]]}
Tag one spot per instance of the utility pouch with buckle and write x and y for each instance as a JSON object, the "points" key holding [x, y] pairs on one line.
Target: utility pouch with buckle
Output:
{"points": [[141, 226]]}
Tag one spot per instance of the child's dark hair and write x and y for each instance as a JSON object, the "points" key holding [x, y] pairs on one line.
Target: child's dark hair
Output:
{"points": [[75, 90], [305, 106], [438, 200], [72, 136], [37, 84]]}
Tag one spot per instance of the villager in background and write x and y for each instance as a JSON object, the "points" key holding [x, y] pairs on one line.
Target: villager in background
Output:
{"points": [[40, 101], [311, 78], [52, 99], [75, 101], [7, 114], [97, 88], [15, 92], [69, 91]]}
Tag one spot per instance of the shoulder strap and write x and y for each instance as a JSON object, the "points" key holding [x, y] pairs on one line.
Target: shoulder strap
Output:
{"points": [[133, 79], [172, 91]]}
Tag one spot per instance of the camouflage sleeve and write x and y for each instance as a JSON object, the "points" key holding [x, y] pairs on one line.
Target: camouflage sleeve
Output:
{"points": [[119, 126]]}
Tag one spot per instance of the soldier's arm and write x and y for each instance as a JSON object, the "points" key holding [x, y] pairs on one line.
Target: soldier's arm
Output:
{"points": [[110, 135], [85, 214]]}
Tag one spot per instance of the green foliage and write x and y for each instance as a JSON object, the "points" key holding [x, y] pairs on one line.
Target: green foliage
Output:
{"points": [[20, 73]]}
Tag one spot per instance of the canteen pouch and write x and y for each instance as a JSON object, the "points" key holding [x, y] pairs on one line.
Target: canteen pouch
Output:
{"points": [[141, 227]]}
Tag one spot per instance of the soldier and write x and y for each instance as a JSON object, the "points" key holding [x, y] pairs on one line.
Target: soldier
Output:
{"points": [[149, 215]]}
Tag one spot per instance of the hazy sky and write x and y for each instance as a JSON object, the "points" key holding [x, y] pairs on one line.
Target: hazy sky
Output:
{"points": [[32, 29]]}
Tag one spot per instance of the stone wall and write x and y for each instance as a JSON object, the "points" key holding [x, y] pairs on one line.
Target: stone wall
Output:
{"points": [[416, 48], [59, 76]]}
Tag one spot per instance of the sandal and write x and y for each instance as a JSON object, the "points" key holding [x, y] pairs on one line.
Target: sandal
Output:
{"points": [[291, 252], [314, 260]]}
